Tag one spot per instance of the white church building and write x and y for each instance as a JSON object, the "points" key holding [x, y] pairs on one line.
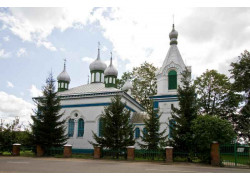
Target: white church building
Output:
{"points": [[83, 105]]}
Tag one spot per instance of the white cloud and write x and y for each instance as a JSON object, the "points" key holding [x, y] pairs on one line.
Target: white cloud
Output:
{"points": [[21, 52], [12, 106], [207, 36], [34, 91], [104, 48], [36, 24], [4, 54], [87, 59], [9, 84], [6, 38]]}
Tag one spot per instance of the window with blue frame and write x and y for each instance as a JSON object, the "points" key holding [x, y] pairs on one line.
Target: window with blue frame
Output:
{"points": [[80, 127], [71, 128], [144, 131], [137, 133], [171, 125], [100, 128]]}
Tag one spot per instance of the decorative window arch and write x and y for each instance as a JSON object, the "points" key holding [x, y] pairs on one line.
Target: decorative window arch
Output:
{"points": [[172, 79], [80, 127], [71, 128], [100, 128], [137, 133]]}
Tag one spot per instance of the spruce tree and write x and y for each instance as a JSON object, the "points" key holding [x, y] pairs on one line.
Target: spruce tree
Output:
{"points": [[117, 131], [47, 128], [181, 130], [152, 138]]}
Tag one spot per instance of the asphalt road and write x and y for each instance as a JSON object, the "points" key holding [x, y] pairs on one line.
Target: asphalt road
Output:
{"points": [[62, 165]]}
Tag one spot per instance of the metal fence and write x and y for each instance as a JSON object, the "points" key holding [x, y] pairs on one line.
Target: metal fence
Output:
{"points": [[114, 154], [235, 155], [157, 155]]}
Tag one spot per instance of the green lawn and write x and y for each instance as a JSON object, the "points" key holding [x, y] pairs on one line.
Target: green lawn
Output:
{"points": [[229, 159]]}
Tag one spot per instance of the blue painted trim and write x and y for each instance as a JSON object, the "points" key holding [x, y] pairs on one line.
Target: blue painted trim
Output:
{"points": [[138, 124], [91, 105], [162, 96], [173, 100]]}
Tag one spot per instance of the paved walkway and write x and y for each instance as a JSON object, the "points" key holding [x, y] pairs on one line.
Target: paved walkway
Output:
{"points": [[62, 165]]}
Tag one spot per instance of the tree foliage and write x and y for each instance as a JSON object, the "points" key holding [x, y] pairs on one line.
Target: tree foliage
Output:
{"points": [[241, 74], [144, 83], [181, 130], [215, 95], [11, 133], [152, 137], [207, 129], [117, 131], [47, 128]]}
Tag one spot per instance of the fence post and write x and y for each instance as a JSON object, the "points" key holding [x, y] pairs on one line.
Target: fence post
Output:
{"points": [[130, 153], [169, 154], [97, 152], [215, 154], [67, 151], [16, 149], [39, 151]]}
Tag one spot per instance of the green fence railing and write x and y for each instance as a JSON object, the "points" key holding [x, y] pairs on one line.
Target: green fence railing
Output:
{"points": [[114, 154], [155, 155], [237, 155]]}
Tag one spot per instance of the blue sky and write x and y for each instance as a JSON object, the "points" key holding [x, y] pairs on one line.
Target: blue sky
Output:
{"points": [[34, 41]]}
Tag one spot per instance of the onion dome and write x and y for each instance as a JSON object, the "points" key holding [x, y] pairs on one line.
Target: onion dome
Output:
{"points": [[127, 85], [173, 35], [111, 70], [63, 76], [97, 64]]}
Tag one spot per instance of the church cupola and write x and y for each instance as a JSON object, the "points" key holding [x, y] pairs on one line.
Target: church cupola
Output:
{"points": [[63, 79], [97, 69], [173, 35], [110, 75]]}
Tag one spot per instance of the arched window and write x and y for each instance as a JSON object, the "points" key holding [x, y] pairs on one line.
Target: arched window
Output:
{"points": [[100, 128], [97, 78], [110, 80], [80, 127], [102, 75], [71, 128], [171, 126], [172, 79], [137, 133], [113, 80], [145, 131], [92, 77]]}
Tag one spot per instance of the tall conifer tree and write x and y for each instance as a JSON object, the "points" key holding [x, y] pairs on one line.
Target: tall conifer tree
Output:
{"points": [[117, 130], [152, 138], [187, 111], [47, 130]]}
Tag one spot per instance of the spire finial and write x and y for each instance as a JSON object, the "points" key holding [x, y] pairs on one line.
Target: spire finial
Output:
{"points": [[111, 58], [65, 64], [98, 55]]}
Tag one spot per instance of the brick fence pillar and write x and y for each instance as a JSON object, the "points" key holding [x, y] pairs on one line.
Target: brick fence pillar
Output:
{"points": [[97, 152], [169, 154], [130, 153], [215, 154], [16, 149], [67, 152], [39, 151]]}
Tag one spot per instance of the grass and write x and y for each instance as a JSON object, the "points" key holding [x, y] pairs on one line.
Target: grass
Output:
{"points": [[229, 159]]}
